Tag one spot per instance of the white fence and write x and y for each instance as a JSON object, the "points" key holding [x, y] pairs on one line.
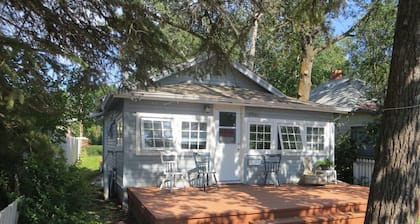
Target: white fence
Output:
{"points": [[362, 171], [72, 148], [10, 215]]}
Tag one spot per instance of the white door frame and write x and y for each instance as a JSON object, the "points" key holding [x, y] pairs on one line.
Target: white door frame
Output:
{"points": [[221, 160]]}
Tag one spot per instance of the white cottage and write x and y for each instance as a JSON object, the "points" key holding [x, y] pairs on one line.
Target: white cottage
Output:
{"points": [[232, 113]]}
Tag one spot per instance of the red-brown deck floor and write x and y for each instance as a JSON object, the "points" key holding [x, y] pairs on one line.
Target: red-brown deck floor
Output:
{"points": [[247, 203]]}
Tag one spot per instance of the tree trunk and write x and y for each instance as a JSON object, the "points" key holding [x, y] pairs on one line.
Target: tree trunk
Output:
{"points": [[305, 83], [253, 42], [394, 191]]}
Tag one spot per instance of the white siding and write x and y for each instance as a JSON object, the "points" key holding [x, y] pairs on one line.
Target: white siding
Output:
{"points": [[256, 112], [142, 168], [112, 152], [345, 122], [292, 163], [291, 168], [227, 76]]}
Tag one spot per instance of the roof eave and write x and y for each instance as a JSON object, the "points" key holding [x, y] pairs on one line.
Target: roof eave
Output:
{"points": [[210, 100]]}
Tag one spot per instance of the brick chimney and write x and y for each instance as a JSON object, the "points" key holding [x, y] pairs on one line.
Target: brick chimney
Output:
{"points": [[336, 74]]}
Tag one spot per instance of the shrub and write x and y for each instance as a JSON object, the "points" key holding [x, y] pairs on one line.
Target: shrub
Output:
{"points": [[53, 193], [94, 134], [324, 164], [346, 152]]}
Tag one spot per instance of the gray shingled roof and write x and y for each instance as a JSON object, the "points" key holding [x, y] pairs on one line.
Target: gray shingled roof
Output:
{"points": [[196, 93], [346, 93]]}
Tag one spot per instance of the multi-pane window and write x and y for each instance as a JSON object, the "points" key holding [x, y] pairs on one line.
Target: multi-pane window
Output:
{"points": [[315, 138], [290, 137], [260, 136], [194, 135], [157, 134]]}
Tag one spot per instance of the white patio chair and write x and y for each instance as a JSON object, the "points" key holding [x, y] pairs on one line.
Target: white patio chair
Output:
{"points": [[170, 171]]}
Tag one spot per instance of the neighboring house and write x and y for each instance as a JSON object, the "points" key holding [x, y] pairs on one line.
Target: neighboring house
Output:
{"points": [[230, 112], [354, 97]]}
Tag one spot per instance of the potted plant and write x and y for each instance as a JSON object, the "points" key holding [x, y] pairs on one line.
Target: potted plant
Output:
{"points": [[325, 164]]}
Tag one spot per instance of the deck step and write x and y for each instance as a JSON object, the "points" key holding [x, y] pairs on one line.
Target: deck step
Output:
{"points": [[336, 218]]}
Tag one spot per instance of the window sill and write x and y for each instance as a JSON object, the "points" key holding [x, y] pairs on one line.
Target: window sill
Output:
{"points": [[157, 152], [305, 153]]}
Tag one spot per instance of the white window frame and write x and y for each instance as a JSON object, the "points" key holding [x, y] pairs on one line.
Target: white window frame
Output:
{"points": [[289, 142], [198, 138], [235, 128], [276, 136], [313, 143], [261, 121], [143, 143], [249, 136], [119, 132], [303, 125], [176, 123]]}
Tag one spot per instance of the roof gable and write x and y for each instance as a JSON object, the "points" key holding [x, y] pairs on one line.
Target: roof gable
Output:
{"points": [[198, 71]]}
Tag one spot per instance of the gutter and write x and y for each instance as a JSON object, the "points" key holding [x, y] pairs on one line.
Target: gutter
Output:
{"points": [[196, 99]]}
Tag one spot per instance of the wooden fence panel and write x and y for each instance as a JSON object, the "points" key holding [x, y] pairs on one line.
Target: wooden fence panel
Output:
{"points": [[362, 171], [9, 215], [72, 148]]}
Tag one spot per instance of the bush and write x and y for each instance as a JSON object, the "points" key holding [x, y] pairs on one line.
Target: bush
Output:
{"points": [[346, 152], [94, 134], [54, 193], [93, 150]]}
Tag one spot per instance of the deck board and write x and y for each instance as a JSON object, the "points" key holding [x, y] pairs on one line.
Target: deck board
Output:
{"points": [[244, 203]]}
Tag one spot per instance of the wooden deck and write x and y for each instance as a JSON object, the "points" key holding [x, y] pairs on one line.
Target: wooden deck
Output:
{"points": [[341, 203]]}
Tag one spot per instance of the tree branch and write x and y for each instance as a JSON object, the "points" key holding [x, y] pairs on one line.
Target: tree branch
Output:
{"points": [[348, 33], [232, 25]]}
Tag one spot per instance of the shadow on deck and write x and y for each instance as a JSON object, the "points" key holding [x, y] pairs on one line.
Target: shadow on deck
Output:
{"points": [[341, 203]]}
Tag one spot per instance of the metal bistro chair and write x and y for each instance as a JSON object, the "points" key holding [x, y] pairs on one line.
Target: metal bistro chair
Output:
{"points": [[203, 167], [171, 171], [272, 165]]}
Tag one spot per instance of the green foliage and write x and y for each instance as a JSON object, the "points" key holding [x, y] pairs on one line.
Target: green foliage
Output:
{"points": [[52, 192], [326, 61], [6, 195], [94, 134], [93, 150], [324, 163], [370, 50], [346, 152], [91, 157]]}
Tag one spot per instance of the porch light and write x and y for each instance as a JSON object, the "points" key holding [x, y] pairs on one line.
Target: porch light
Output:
{"points": [[207, 108]]}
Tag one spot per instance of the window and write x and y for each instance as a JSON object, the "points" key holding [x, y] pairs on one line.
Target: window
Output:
{"points": [[358, 134], [227, 127], [157, 134], [119, 131], [194, 135], [364, 142], [315, 138], [290, 137], [260, 137]]}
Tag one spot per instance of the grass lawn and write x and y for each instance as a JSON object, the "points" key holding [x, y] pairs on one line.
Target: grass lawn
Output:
{"points": [[104, 211], [90, 157]]}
